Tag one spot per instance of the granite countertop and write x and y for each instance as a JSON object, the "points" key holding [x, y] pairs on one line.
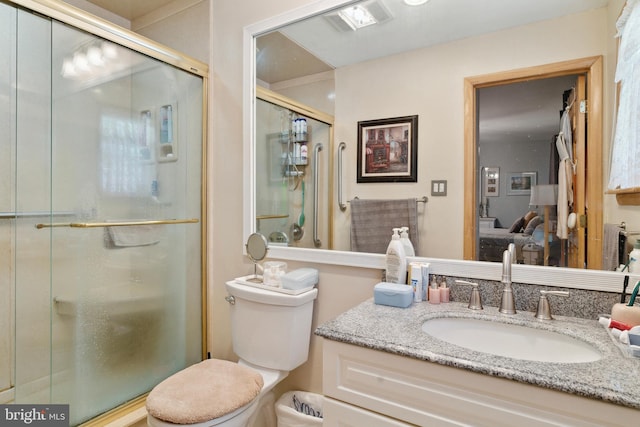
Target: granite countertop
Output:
{"points": [[614, 378]]}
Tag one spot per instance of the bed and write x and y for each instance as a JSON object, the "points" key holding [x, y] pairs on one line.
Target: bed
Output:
{"points": [[526, 234], [494, 241]]}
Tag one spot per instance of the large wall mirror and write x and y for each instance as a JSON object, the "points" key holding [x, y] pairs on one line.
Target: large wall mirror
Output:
{"points": [[444, 62]]}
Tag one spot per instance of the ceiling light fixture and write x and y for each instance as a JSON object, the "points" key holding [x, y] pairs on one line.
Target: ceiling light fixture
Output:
{"points": [[415, 2], [357, 17]]}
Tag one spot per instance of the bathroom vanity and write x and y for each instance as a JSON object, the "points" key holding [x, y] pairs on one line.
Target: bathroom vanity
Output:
{"points": [[381, 368]]}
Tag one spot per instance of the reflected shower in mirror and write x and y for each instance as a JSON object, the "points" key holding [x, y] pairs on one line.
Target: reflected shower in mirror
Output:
{"points": [[291, 175], [414, 62]]}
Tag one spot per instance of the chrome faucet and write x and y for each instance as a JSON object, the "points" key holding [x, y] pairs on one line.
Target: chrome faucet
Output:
{"points": [[508, 301]]}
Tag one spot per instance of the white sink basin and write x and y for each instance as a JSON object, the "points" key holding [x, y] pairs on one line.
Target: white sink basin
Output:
{"points": [[508, 340]]}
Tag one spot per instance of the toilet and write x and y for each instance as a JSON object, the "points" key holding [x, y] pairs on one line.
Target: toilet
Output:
{"points": [[270, 333]]}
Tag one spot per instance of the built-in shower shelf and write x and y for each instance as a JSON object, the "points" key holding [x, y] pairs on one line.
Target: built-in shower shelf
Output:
{"points": [[112, 301]]}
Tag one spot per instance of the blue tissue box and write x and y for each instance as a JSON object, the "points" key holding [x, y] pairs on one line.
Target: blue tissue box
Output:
{"points": [[393, 294]]}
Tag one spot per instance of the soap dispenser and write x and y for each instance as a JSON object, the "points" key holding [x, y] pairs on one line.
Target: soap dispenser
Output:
{"points": [[406, 243], [396, 260]]}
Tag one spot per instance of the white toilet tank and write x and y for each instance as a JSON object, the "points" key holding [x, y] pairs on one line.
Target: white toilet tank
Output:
{"points": [[269, 328]]}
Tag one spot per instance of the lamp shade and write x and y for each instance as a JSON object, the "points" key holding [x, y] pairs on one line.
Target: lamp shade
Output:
{"points": [[544, 195]]}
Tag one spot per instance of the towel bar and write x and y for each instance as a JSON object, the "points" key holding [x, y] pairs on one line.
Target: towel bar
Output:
{"points": [[15, 215], [274, 216], [118, 224], [423, 199], [626, 233]]}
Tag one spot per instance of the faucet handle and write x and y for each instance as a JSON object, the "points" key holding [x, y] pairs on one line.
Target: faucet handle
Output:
{"points": [[475, 302], [544, 310]]}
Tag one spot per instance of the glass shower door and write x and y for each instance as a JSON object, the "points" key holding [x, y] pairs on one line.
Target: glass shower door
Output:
{"points": [[126, 149]]}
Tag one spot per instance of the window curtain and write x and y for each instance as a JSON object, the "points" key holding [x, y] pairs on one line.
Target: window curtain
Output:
{"points": [[625, 149]]}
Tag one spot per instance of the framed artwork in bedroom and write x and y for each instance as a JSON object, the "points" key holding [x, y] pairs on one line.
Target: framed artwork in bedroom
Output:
{"points": [[491, 181], [520, 183]]}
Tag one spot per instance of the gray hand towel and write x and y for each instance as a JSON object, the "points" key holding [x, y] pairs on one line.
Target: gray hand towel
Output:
{"points": [[372, 222]]}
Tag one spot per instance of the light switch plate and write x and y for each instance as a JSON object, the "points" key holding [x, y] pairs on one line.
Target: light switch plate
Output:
{"points": [[439, 187]]}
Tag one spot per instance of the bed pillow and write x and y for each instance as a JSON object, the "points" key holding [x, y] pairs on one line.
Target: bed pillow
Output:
{"points": [[535, 221], [528, 217], [516, 227]]}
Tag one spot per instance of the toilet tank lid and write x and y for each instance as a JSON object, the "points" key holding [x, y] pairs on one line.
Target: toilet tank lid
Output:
{"points": [[266, 296]]}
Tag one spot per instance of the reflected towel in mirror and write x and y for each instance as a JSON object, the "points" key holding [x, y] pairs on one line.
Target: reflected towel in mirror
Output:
{"points": [[372, 222], [610, 247]]}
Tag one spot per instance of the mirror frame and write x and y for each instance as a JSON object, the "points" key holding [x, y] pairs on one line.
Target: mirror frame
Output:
{"points": [[550, 276]]}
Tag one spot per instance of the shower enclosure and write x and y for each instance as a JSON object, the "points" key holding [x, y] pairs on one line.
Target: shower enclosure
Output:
{"points": [[101, 232]]}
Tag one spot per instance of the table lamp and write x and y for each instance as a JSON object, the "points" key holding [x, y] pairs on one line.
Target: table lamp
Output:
{"points": [[545, 195]]}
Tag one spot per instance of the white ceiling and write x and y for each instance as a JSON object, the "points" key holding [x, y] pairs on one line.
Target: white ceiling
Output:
{"points": [[413, 27]]}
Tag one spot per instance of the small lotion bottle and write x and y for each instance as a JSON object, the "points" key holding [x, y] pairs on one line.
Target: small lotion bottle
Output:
{"points": [[444, 292], [434, 293]]}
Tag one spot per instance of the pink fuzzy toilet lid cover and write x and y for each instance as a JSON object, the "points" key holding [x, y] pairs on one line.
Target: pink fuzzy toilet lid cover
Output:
{"points": [[204, 391]]}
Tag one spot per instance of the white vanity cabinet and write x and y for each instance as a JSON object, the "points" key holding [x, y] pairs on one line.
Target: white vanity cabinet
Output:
{"points": [[365, 387]]}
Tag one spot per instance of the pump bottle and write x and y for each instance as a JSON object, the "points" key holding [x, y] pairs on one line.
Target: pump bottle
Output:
{"points": [[406, 243], [396, 260]]}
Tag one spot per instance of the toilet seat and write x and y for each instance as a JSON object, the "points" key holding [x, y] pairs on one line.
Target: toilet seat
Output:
{"points": [[205, 391], [156, 422]]}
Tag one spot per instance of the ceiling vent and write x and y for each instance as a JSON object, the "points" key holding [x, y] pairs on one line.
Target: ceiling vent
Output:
{"points": [[375, 7]]}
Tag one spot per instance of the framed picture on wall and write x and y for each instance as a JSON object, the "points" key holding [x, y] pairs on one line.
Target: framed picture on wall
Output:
{"points": [[388, 150], [491, 181], [520, 183]]}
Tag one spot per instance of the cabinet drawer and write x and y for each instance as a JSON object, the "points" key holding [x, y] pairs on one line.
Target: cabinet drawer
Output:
{"points": [[425, 393], [338, 414]]}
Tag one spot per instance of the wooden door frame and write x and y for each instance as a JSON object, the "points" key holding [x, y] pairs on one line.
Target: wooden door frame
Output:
{"points": [[592, 68]]}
